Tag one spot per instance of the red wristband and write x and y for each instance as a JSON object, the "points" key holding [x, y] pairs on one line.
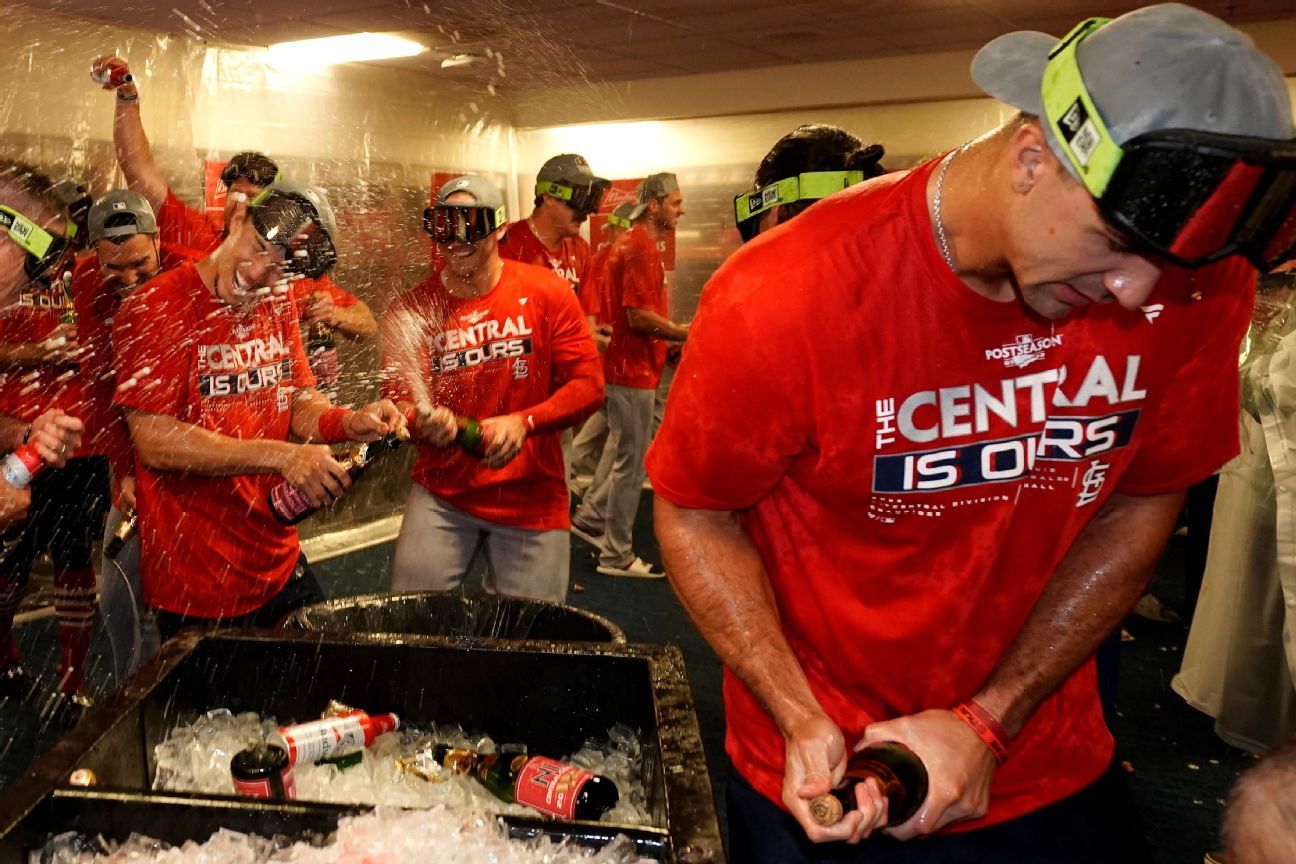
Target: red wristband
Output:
{"points": [[986, 727], [332, 425]]}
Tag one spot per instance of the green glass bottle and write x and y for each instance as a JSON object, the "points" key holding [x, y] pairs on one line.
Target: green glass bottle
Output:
{"points": [[469, 436]]}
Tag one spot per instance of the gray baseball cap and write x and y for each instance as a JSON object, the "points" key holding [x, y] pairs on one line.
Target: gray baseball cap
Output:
{"points": [[567, 168], [120, 202], [316, 197], [654, 186], [486, 192], [1167, 66]]}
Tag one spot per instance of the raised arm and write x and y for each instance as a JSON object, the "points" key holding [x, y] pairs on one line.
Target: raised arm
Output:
{"points": [[134, 154]]}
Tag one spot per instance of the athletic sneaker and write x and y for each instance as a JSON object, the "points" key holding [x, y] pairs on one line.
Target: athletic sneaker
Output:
{"points": [[636, 569], [588, 533]]}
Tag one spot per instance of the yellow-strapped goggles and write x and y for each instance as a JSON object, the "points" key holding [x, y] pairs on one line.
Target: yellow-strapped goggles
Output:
{"points": [[44, 250], [1187, 196]]}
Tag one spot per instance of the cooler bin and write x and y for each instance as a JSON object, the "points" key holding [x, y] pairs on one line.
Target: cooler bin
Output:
{"points": [[550, 696], [454, 613]]}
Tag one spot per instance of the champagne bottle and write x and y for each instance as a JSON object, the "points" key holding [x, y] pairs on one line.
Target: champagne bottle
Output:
{"points": [[552, 787], [469, 437], [263, 771], [290, 504], [899, 772], [69, 309], [125, 531], [21, 466], [333, 738]]}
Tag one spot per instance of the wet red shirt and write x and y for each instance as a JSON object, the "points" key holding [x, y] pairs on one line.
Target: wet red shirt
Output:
{"points": [[570, 261], [913, 460], [210, 546], [525, 349], [594, 293], [636, 279], [182, 225]]}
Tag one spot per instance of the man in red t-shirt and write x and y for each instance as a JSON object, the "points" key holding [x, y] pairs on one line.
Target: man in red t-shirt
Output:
{"points": [[57, 351], [633, 362], [587, 445], [506, 342], [916, 506], [566, 193], [325, 308], [213, 377], [34, 253], [123, 235]]}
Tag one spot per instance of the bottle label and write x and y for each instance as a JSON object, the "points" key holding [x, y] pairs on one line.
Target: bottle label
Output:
{"points": [[264, 787], [21, 466], [289, 503], [324, 739], [550, 786]]}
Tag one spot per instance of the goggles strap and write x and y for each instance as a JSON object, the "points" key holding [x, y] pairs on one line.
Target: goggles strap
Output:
{"points": [[1072, 115], [30, 237], [811, 186], [557, 190]]}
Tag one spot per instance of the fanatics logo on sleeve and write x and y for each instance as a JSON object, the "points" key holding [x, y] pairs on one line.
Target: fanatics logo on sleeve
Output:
{"points": [[1024, 350]]}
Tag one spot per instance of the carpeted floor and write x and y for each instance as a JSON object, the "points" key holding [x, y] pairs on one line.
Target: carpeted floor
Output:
{"points": [[1179, 770]]}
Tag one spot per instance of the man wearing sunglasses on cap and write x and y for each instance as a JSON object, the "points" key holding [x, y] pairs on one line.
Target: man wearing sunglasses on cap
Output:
{"points": [[810, 162], [566, 193], [58, 353], [213, 378], [947, 472], [502, 341], [325, 308], [633, 362]]}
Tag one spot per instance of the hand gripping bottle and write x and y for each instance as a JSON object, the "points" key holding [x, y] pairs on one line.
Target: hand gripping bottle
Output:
{"points": [[290, 504], [899, 772], [114, 73]]}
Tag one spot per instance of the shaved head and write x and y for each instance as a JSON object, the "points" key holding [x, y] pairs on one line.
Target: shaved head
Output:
{"points": [[1260, 822]]}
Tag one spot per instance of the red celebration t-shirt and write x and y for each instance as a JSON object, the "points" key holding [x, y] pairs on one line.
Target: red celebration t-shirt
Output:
{"points": [[594, 293], [524, 349], [636, 280], [209, 545], [571, 260], [913, 460]]}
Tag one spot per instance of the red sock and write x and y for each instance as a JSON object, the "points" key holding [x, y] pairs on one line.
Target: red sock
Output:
{"points": [[74, 605]]}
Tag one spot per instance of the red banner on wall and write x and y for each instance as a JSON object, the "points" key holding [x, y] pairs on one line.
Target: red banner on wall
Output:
{"points": [[621, 192]]}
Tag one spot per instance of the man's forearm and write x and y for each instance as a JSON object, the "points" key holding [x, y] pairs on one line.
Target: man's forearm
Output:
{"points": [[1098, 582], [721, 582], [307, 410], [651, 324], [135, 155], [167, 444], [355, 321], [12, 432]]}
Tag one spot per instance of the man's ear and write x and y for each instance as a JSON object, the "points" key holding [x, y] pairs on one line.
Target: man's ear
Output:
{"points": [[1030, 158]]}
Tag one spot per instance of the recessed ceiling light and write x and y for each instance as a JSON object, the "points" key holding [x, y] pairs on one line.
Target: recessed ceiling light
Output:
{"points": [[351, 48]]}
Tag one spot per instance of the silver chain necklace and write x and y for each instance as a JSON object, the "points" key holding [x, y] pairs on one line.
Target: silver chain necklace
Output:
{"points": [[936, 207]]}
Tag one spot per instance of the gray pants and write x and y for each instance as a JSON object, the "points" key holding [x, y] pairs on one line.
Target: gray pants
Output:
{"points": [[587, 449], [613, 501], [132, 633], [437, 546]]}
